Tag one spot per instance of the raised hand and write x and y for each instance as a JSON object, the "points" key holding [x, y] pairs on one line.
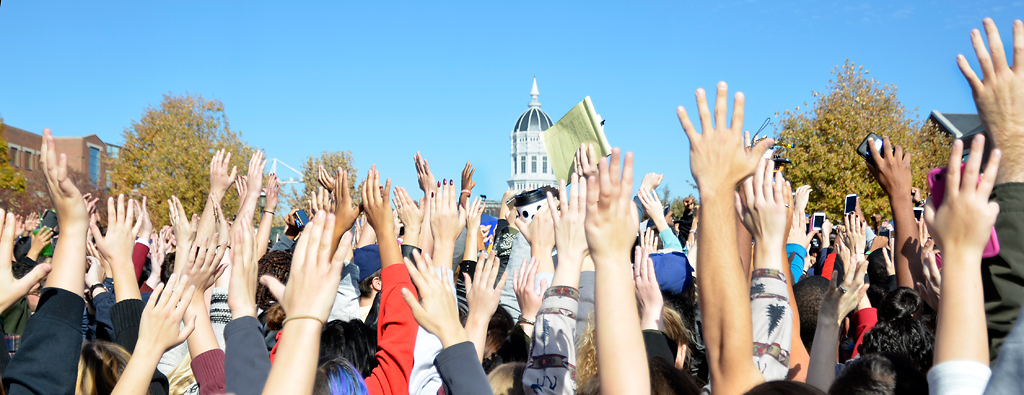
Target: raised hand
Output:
{"points": [[839, 301], [653, 207], [203, 266], [344, 210], [467, 178], [525, 287], [435, 310], [11, 289], [999, 93], [931, 290], [891, 169], [651, 181], [803, 194], [961, 227], [447, 219], [761, 206], [220, 177], [325, 179], [273, 193], [648, 240], [585, 163], [410, 213], [314, 277], [376, 203], [184, 232], [39, 242], [568, 215], [483, 296], [145, 224], [69, 255], [648, 291], [160, 327], [856, 234], [423, 174], [118, 244]]}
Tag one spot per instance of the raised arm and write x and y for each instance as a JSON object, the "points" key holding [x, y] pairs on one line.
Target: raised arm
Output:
{"points": [[482, 296], [118, 244], [344, 210], [892, 170], [719, 162], [611, 225], [961, 227], [473, 213], [272, 192], [220, 181], [840, 300]]}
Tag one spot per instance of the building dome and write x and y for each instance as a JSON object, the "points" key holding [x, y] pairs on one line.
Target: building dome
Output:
{"points": [[533, 120]]}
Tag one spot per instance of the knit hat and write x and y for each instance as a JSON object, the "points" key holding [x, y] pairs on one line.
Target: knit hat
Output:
{"points": [[367, 259]]}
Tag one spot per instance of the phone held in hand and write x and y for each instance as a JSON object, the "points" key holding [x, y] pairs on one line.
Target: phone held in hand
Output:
{"points": [[937, 186], [851, 203], [49, 220], [301, 219], [918, 213], [818, 221], [864, 150]]}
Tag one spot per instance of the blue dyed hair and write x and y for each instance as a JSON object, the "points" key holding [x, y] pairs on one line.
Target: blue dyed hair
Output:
{"points": [[336, 376]]}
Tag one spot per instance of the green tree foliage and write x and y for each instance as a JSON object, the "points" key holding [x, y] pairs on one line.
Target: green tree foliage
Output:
{"points": [[168, 151], [10, 178], [331, 161], [825, 138]]}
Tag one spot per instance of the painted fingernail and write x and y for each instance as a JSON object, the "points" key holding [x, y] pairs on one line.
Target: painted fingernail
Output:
{"points": [[431, 194], [439, 183]]}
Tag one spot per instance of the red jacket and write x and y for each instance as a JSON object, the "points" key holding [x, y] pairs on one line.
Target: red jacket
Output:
{"points": [[396, 335]]}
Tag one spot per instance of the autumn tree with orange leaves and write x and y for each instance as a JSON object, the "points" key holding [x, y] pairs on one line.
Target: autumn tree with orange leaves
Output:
{"points": [[825, 138], [167, 152]]}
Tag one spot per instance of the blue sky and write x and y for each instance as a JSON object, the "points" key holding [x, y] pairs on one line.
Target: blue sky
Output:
{"points": [[385, 79]]}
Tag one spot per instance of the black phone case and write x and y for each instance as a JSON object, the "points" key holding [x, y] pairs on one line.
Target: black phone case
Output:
{"points": [[49, 219], [864, 150]]}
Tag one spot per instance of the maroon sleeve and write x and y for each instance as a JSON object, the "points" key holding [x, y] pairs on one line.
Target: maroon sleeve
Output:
{"points": [[139, 258], [208, 368], [863, 321]]}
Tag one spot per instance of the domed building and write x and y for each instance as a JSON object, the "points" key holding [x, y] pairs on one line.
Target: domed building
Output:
{"points": [[530, 167]]}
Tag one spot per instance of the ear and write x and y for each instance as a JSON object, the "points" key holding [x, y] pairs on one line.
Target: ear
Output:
{"points": [[681, 356], [377, 286]]}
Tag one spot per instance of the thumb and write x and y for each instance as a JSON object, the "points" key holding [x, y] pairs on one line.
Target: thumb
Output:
{"points": [[185, 332], [274, 285], [33, 277], [758, 150]]}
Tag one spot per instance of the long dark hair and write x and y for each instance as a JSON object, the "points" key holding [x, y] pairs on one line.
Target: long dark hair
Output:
{"points": [[898, 332]]}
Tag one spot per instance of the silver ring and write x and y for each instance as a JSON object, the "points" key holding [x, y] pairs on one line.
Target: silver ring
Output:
{"points": [[787, 206], [842, 290]]}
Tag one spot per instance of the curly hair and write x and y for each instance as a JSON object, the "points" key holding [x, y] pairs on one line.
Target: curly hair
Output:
{"points": [[885, 373], [898, 332], [277, 264]]}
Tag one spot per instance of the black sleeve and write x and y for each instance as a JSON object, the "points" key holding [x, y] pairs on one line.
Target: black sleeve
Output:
{"points": [[407, 251], [103, 303], [685, 224], [50, 347], [460, 371], [246, 359], [891, 284], [659, 345], [5, 356], [126, 317], [820, 264]]}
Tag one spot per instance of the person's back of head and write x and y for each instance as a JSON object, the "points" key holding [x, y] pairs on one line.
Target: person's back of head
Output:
{"points": [[498, 327], [784, 387], [879, 374], [665, 380], [352, 341], [677, 330], [100, 366], [507, 378], [898, 332], [273, 263], [809, 293], [878, 271], [335, 376]]}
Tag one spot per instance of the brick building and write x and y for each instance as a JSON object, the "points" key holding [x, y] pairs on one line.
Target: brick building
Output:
{"points": [[86, 155]]}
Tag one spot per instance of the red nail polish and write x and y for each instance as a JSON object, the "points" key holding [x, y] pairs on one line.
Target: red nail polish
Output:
{"points": [[439, 183], [431, 194]]}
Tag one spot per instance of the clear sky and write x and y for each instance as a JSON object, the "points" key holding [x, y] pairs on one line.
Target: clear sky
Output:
{"points": [[385, 79]]}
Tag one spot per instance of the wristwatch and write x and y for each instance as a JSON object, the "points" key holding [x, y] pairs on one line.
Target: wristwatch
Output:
{"points": [[523, 320], [94, 286]]}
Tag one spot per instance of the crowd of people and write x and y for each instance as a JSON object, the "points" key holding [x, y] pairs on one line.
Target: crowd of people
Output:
{"points": [[601, 291]]}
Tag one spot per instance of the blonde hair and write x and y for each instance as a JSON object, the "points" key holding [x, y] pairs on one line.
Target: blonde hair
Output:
{"points": [[181, 378], [586, 353], [675, 329], [507, 378], [99, 367]]}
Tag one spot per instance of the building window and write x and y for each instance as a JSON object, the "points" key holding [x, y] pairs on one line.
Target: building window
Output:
{"points": [[533, 164], [94, 164], [522, 164], [30, 160], [112, 151], [545, 167]]}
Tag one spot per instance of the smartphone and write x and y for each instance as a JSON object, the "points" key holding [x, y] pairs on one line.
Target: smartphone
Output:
{"points": [[818, 221], [301, 219], [937, 186], [851, 203], [918, 213], [864, 150], [49, 220]]}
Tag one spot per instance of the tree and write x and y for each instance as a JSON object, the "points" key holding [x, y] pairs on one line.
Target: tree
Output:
{"points": [[167, 152], [824, 140], [10, 179], [330, 160]]}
